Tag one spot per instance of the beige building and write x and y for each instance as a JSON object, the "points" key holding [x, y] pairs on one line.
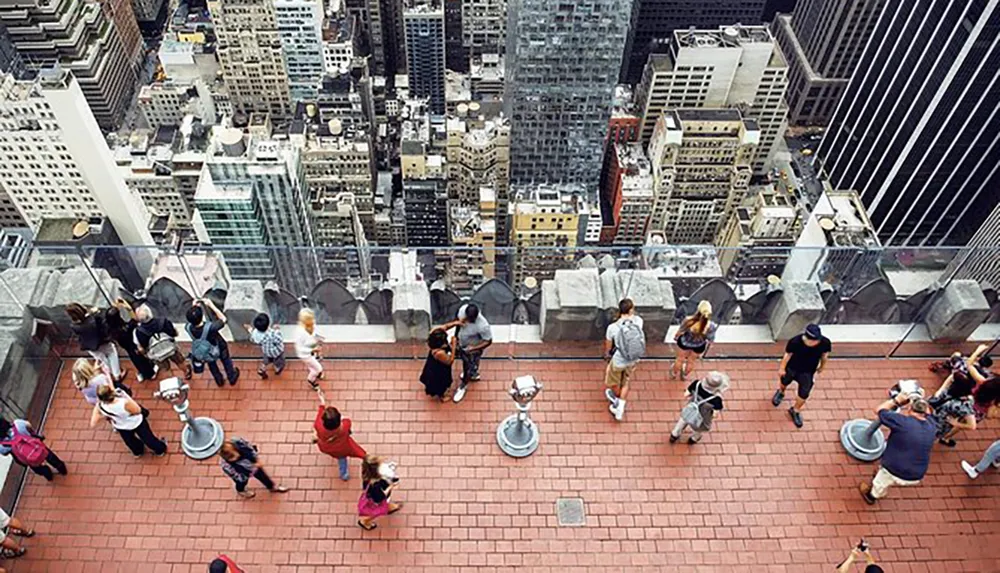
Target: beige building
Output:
{"points": [[738, 67], [756, 241], [545, 229], [251, 56], [701, 171], [478, 159], [472, 261]]}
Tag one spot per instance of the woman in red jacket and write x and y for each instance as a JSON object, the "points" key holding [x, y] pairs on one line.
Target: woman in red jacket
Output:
{"points": [[332, 435]]}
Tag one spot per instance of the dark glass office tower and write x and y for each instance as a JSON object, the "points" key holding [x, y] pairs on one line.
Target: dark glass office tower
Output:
{"points": [[917, 133], [653, 23]]}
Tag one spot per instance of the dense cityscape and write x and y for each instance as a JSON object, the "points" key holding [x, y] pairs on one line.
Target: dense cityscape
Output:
{"points": [[496, 139]]}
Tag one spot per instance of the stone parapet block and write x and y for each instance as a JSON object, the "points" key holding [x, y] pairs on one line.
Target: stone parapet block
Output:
{"points": [[571, 306], [654, 299], [411, 310], [959, 309], [244, 301], [46, 292], [800, 303]]}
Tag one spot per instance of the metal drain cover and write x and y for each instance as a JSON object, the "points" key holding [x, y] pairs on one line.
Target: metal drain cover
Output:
{"points": [[570, 511]]}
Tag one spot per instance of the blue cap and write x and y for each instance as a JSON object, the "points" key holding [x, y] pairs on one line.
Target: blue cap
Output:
{"points": [[813, 331]]}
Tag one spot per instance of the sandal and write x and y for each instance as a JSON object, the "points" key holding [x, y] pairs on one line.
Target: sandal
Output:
{"points": [[399, 506], [21, 532], [13, 553], [949, 442], [246, 494], [362, 526]]}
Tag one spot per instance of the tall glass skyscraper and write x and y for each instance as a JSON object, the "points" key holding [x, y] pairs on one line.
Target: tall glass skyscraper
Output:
{"points": [[563, 60], [917, 133]]}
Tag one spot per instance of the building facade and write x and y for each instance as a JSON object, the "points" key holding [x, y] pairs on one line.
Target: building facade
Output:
{"points": [[547, 223], [562, 62], [701, 170], [628, 194], [455, 56], [823, 41], [425, 52], [300, 27], [921, 147], [654, 22], [484, 27], [732, 67], [251, 56], [426, 212], [756, 241]]}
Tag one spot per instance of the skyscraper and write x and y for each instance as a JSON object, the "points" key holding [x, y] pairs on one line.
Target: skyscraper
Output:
{"points": [[731, 67], [563, 61], [251, 56], [300, 27], [10, 59], [917, 133], [99, 43], [425, 52], [455, 55], [484, 27], [654, 22], [822, 41]]}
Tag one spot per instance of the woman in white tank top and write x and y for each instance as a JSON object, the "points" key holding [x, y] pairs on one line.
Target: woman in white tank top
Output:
{"points": [[129, 419]]}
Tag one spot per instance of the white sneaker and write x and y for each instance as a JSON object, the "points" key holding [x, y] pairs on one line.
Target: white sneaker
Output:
{"points": [[459, 394], [996, 464], [610, 396], [618, 409], [970, 470]]}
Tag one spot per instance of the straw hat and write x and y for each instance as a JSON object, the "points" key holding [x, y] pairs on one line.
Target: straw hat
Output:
{"points": [[716, 382]]}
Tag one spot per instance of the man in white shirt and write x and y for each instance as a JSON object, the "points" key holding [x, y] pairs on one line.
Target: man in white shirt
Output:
{"points": [[474, 336], [622, 350]]}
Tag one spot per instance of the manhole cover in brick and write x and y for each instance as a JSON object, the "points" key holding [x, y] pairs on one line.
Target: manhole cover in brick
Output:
{"points": [[570, 511]]}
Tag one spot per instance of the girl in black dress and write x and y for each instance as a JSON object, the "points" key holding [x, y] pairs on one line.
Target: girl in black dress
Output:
{"points": [[436, 376]]}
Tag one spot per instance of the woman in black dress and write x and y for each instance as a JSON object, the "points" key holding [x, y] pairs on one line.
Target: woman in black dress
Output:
{"points": [[121, 324], [436, 376]]}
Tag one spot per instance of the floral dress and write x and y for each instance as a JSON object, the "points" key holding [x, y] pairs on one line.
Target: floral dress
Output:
{"points": [[958, 408]]}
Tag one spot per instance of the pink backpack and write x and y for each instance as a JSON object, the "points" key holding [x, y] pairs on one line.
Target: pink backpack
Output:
{"points": [[27, 449]]}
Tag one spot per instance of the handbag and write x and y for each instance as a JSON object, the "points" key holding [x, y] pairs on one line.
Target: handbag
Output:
{"points": [[691, 413]]}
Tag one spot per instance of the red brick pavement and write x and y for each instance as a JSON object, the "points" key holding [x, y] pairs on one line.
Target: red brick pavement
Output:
{"points": [[756, 491]]}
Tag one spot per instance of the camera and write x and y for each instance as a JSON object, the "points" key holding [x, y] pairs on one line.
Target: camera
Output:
{"points": [[862, 545]]}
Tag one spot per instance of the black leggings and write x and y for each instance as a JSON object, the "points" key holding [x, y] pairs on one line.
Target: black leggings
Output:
{"points": [[261, 476], [50, 460], [142, 437]]}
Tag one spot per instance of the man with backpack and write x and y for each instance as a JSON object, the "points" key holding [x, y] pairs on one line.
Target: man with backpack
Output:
{"points": [[624, 345], [20, 440], [157, 340], [207, 345]]}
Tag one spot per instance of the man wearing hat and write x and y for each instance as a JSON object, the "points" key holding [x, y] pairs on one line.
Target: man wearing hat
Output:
{"points": [[805, 357], [908, 449]]}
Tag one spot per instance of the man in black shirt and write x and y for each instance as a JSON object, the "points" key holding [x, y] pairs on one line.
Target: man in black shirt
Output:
{"points": [[205, 336], [805, 356]]}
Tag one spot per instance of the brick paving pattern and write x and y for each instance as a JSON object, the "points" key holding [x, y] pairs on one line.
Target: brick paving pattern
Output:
{"points": [[756, 491]]}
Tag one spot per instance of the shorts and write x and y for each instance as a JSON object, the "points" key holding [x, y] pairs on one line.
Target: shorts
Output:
{"points": [[697, 349], [617, 377], [804, 379]]}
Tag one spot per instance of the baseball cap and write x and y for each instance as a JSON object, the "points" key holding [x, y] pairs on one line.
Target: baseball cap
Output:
{"points": [[813, 331]]}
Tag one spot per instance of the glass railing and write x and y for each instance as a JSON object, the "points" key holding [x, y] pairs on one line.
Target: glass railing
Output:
{"points": [[877, 300]]}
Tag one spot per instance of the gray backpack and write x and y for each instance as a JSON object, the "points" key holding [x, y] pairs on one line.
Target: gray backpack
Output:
{"points": [[630, 341]]}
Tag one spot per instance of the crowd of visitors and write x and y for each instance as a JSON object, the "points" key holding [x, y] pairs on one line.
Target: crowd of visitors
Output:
{"points": [[969, 393]]}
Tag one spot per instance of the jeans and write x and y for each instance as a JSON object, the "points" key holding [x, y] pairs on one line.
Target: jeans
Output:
{"points": [[261, 476], [51, 460], [991, 457], [279, 364], [107, 354], [884, 480], [470, 364], [345, 473], [227, 364], [142, 437], [679, 428], [143, 365]]}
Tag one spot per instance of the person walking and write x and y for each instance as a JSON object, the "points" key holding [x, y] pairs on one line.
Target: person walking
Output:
{"points": [[88, 376], [436, 375], [624, 346], [272, 345], [239, 461], [223, 564], [122, 325], [908, 450], [207, 345], [156, 338], [27, 447], [129, 419], [90, 328], [693, 338], [307, 346], [991, 457], [952, 417], [805, 356], [378, 480], [704, 400], [332, 435], [13, 526], [474, 336]]}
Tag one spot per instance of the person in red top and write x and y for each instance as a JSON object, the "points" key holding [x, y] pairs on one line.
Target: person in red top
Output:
{"points": [[332, 435], [223, 564]]}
